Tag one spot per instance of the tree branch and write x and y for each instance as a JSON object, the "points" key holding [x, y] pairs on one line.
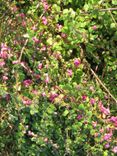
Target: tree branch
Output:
{"points": [[22, 50], [101, 83]]}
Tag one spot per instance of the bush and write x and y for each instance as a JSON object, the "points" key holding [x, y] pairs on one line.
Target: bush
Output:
{"points": [[56, 63]]}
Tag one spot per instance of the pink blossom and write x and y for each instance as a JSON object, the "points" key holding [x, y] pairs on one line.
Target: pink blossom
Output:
{"points": [[40, 65], [46, 140], [77, 62], [43, 48], [52, 96], [4, 51], [92, 101], [63, 35], [36, 40], [113, 119], [101, 130], [69, 72], [47, 79], [30, 133], [27, 83], [59, 27], [107, 136], [114, 149], [37, 76], [107, 145], [15, 62], [34, 28], [35, 92], [91, 88], [94, 27], [22, 15], [43, 94], [94, 123], [2, 63], [27, 101], [5, 78], [79, 117], [23, 23], [57, 56], [45, 5], [14, 9], [84, 97], [104, 110], [44, 20]]}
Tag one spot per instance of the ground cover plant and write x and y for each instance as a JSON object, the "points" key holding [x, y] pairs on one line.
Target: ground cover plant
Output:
{"points": [[58, 63]]}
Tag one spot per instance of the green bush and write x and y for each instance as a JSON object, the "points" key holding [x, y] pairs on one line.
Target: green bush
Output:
{"points": [[58, 78]]}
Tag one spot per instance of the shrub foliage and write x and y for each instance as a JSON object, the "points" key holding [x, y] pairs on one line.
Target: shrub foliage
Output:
{"points": [[58, 77]]}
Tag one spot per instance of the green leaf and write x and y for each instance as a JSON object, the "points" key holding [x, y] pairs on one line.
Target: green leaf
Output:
{"points": [[114, 2], [81, 107], [65, 113]]}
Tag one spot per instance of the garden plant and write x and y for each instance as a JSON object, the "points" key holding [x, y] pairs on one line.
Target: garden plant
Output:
{"points": [[58, 77]]}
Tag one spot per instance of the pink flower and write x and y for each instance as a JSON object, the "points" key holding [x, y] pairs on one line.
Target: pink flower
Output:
{"points": [[15, 62], [40, 65], [94, 27], [27, 83], [22, 15], [30, 133], [43, 48], [2, 63], [5, 78], [46, 140], [27, 101], [14, 9], [52, 96], [107, 145], [44, 20], [35, 92], [91, 88], [4, 51], [114, 149], [47, 79], [37, 76], [45, 5], [104, 110], [63, 35], [69, 72], [43, 94], [101, 130], [84, 97], [113, 119], [23, 23], [92, 101], [59, 27], [34, 28], [107, 136], [77, 62], [36, 40], [94, 123], [79, 117]]}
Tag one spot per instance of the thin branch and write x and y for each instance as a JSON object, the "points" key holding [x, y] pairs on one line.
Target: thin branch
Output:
{"points": [[108, 9], [98, 79], [22, 50], [101, 83], [100, 10]]}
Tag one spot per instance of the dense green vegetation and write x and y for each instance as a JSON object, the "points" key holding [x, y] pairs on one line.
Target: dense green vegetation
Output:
{"points": [[58, 77]]}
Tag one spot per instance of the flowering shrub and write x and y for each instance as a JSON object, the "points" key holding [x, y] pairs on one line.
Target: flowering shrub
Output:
{"points": [[56, 59]]}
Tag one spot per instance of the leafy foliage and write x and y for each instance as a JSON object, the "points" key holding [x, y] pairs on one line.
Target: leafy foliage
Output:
{"points": [[50, 102]]}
